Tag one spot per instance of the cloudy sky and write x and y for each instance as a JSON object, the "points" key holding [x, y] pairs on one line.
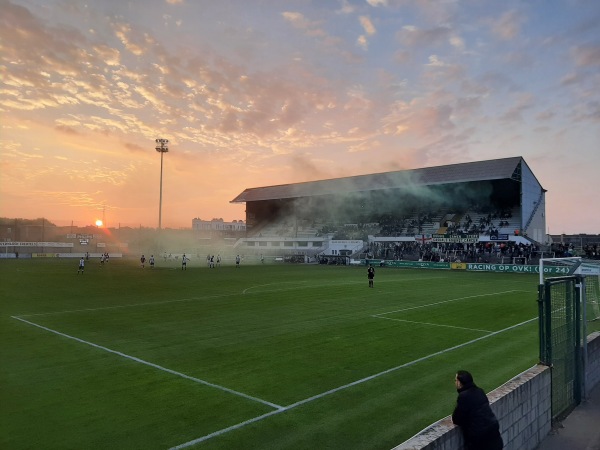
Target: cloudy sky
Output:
{"points": [[263, 92]]}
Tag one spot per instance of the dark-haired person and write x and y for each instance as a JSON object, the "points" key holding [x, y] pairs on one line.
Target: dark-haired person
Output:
{"points": [[474, 416], [371, 275]]}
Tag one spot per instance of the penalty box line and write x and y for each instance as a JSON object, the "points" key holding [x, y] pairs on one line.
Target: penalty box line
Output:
{"points": [[447, 301], [340, 388], [432, 324], [155, 366], [381, 315]]}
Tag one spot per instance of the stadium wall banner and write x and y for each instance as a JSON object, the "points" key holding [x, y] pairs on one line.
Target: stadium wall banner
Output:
{"points": [[36, 244], [91, 256], [418, 264], [72, 255], [589, 269], [500, 237], [476, 267], [515, 268], [372, 238], [456, 238]]}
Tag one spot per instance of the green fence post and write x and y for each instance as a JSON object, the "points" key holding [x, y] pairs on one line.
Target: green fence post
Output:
{"points": [[541, 327], [578, 360]]}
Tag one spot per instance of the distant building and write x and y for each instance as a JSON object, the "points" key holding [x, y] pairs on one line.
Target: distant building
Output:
{"points": [[218, 225]]}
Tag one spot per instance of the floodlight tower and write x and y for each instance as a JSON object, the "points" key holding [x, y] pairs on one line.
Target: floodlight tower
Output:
{"points": [[162, 146]]}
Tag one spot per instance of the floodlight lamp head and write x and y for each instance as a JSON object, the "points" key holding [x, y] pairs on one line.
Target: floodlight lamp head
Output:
{"points": [[162, 147]]}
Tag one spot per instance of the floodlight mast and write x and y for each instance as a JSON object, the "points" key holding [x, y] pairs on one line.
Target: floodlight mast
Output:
{"points": [[162, 146]]}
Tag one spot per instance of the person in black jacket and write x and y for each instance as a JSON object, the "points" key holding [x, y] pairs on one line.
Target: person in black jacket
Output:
{"points": [[474, 416], [371, 275]]}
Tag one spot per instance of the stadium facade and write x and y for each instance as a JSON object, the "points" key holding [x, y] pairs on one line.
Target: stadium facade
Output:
{"points": [[494, 200], [218, 225]]}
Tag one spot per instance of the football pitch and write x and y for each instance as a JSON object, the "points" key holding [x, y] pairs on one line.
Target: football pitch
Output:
{"points": [[264, 356]]}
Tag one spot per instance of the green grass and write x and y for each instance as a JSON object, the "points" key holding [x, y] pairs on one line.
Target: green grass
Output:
{"points": [[327, 361]]}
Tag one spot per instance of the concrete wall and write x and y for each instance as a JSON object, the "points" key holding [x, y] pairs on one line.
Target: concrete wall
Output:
{"points": [[523, 407], [593, 363]]}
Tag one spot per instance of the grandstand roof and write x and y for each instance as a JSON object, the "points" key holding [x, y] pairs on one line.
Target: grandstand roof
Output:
{"points": [[496, 169]]}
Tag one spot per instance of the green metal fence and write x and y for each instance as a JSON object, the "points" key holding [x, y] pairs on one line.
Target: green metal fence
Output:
{"points": [[561, 341]]}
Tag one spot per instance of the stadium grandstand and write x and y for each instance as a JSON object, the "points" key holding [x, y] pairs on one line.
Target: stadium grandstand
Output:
{"points": [[471, 212]]}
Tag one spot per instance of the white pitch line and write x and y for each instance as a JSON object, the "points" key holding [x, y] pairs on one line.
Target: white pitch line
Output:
{"points": [[377, 316], [448, 301], [226, 430], [340, 388], [271, 284], [131, 305], [338, 283], [208, 297], [371, 377], [156, 366]]}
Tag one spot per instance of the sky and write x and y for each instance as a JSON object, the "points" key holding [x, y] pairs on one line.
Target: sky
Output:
{"points": [[254, 93]]}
